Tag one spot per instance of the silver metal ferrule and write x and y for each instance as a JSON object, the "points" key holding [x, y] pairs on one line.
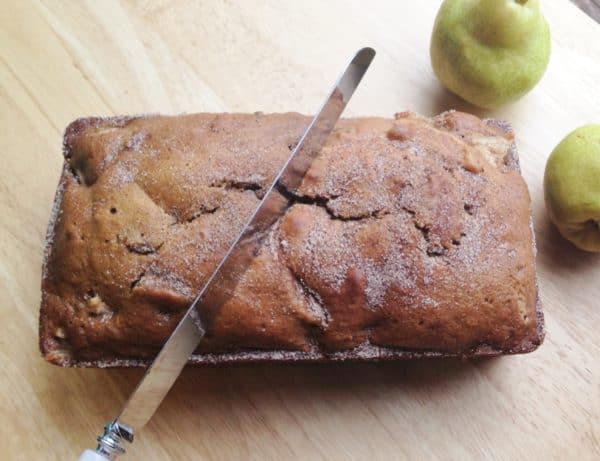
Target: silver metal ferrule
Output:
{"points": [[109, 443]]}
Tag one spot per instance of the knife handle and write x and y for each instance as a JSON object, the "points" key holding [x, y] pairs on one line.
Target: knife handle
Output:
{"points": [[109, 444], [89, 455]]}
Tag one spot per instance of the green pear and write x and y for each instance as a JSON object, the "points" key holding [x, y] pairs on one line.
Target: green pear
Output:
{"points": [[490, 52], [572, 187]]}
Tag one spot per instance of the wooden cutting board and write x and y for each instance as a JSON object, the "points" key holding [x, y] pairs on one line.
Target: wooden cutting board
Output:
{"points": [[62, 60]]}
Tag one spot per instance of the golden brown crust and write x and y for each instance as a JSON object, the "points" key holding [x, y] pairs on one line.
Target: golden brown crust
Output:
{"points": [[409, 237]]}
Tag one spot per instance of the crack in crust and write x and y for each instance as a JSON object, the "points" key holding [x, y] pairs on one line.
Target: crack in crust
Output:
{"points": [[228, 183], [323, 202]]}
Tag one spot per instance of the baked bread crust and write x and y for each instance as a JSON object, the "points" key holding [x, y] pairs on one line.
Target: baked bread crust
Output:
{"points": [[409, 237]]}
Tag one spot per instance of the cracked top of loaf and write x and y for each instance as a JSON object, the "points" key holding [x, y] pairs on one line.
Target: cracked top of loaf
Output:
{"points": [[408, 237]]}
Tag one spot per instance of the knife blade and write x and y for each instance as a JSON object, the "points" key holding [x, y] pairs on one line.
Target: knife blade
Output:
{"points": [[221, 284]]}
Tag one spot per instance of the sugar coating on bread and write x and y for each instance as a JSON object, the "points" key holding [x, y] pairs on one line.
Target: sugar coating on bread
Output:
{"points": [[409, 237]]}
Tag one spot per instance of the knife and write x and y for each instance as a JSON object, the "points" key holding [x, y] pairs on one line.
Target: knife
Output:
{"points": [[221, 285]]}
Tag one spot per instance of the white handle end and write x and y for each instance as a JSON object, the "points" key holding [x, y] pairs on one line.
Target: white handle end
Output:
{"points": [[89, 455]]}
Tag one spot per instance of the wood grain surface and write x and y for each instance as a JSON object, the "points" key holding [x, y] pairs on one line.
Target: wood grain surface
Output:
{"points": [[62, 60]]}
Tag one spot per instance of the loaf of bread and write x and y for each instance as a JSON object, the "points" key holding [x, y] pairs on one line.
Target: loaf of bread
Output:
{"points": [[409, 237]]}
